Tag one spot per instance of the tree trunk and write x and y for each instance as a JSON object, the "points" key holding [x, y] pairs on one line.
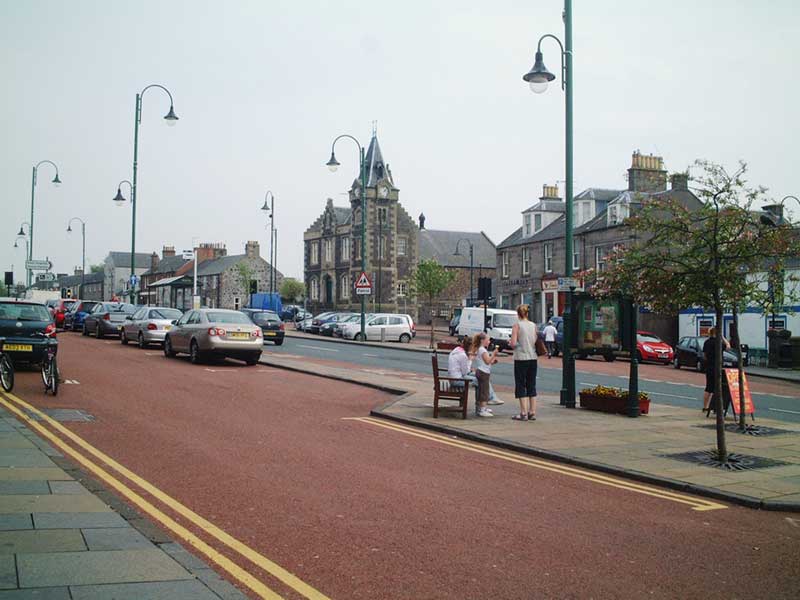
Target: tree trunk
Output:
{"points": [[722, 449]]}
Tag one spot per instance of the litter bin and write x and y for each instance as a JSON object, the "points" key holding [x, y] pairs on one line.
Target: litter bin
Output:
{"points": [[745, 350], [785, 356], [795, 344]]}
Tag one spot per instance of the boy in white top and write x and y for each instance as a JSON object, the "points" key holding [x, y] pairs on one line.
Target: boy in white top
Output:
{"points": [[550, 333]]}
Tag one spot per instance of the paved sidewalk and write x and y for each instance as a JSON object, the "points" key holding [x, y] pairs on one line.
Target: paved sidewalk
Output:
{"points": [[62, 541], [641, 448]]}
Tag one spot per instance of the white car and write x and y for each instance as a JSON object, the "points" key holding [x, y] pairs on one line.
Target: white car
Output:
{"points": [[381, 327], [148, 325]]}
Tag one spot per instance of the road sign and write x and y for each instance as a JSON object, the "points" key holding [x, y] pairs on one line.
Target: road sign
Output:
{"points": [[134, 280], [38, 265], [567, 283], [45, 277], [363, 285]]}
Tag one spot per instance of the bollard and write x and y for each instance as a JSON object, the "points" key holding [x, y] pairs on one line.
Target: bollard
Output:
{"points": [[383, 334]]}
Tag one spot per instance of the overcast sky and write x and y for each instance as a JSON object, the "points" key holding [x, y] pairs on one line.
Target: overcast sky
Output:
{"points": [[262, 88]]}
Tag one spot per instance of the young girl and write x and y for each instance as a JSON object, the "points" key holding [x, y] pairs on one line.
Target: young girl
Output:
{"points": [[483, 370]]}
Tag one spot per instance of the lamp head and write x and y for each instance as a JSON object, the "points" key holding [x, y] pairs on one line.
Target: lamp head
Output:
{"points": [[333, 164], [171, 118], [538, 77], [119, 198], [21, 231], [56, 180], [265, 207], [69, 228], [457, 253], [15, 244]]}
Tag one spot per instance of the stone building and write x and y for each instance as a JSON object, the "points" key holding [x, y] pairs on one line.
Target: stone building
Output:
{"points": [[93, 283], [332, 261], [531, 260], [117, 269], [169, 265]]}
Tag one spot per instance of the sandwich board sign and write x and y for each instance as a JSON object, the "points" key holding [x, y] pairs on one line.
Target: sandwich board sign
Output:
{"points": [[363, 285], [731, 385]]}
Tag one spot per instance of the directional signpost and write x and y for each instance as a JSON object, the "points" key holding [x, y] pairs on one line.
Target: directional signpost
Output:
{"points": [[566, 284], [38, 265], [363, 285]]}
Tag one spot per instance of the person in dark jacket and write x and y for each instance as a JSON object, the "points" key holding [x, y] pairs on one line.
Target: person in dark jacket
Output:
{"points": [[710, 353]]}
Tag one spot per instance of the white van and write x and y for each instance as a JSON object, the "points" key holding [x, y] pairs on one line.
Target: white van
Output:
{"points": [[498, 324]]}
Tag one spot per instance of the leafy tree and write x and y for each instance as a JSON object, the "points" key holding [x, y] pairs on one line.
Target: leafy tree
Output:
{"points": [[245, 273], [430, 280], [292, 290], [98, 268], [716, 256]]}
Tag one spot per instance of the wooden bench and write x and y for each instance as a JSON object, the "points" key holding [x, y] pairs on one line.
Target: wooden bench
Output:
{"points": [[443, 389]]}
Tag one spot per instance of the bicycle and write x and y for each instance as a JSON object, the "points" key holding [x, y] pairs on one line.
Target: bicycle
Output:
{"points": [[6, 369], [50, 374]]}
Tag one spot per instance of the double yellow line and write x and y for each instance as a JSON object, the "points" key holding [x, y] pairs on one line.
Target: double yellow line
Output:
{"points": [[16, 405], [696, 503]]}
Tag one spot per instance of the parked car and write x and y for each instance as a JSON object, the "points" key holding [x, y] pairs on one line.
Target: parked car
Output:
{"points": [[107, 318], [302, 315], [73, 320], [216, 332], [27, 327], [289, 311], [390, 327], [558, 323], [320, 319], [327, 329], [689, 353], [650, 347], [272, 328], [454, 323], [148, 325], [58, 308], [354, 318]]}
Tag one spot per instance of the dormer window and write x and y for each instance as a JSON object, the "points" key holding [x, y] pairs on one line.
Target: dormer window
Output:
{"points": [[537, 222], [526, 222], [613, 215]]}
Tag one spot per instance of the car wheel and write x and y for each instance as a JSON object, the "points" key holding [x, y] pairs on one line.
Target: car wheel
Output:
{"points": [[123, 339], [405, 338], [676, 363], [699, 366], [639, 358], [140, 341], [358, 337], [97, 333], [194, 353], [252, 361], [279, 342], [609, 357], [84, 331], [168, 351], [581, 356]]}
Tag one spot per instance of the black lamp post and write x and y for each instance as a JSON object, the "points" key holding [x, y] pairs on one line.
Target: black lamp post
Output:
{"points": [[471, 259], [56, 182], [269, 208]]}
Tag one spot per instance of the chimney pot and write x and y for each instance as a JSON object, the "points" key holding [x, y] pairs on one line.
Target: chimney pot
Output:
{"points": [[421, 221]]}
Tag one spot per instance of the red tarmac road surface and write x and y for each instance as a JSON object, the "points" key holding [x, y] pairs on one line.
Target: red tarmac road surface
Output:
{"points": [[359, 511]]}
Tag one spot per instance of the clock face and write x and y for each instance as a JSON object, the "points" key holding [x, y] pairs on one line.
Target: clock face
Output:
{"points": [[383, 191]]}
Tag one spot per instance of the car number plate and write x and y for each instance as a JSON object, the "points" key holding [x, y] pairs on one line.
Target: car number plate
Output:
{"points": [[270, 334], [119, 327], [17, 348], [167, 327], [238, 334]]}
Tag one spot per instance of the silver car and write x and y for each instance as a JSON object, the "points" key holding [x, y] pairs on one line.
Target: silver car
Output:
{"points": [[148, 325], [218, 332]]}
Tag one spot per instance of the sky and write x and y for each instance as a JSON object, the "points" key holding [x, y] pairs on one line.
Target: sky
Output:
{"points": [[263, 87]]}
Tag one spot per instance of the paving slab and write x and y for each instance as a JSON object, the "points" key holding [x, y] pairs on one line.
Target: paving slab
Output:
{"points": [[184, 557], [51, 593], [115, 538], [31, 487], [8, 572], [172, 590], [77, 520], [87, 568], [41, 540], [67, 487], [51, 503], [14, 440], [33, 473], [222, 588], [15, 522], [24, 457]]}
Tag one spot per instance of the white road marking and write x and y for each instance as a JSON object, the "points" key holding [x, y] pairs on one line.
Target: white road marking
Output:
{"points": [[72, 382], [793, 522], [794, 412], [372, 355], [317, 348], [780, 396], [673, 395], [152, 353], [221, 370]]}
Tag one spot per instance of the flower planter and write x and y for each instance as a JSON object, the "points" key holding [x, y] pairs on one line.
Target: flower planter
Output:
{"points": [[611, 404]]}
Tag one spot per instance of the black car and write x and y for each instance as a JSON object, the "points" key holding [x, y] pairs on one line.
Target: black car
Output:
{"points": [[271, 325], [26, 327], [320, 320], [106, 318], [689, 353]]}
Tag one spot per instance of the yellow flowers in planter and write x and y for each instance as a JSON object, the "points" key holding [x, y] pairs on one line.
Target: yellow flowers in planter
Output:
{"points": [[602, 391]]}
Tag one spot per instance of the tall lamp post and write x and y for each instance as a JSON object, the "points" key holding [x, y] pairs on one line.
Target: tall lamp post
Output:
{"points": [[171, 118], [269, 208], [22, 237], [121, 200], [538, 78], [471, 257], [83, 249], [56, 181], [333, 164]]}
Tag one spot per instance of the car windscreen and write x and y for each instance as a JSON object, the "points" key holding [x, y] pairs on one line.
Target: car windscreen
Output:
{"points": [[23, 312], [505, 320], [228, 317], [69, 304], [263, 317], [169, 314], [648, 337], [88, 306]]}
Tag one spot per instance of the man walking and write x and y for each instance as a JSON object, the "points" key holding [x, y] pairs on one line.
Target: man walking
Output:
{"points": [[550, 333]]}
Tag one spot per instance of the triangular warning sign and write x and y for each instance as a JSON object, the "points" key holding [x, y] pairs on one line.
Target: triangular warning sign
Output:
{"points": [[363, 281]]}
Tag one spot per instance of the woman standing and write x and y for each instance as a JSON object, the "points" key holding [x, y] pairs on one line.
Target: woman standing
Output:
{"points": [[710, 354], [523, 340]]}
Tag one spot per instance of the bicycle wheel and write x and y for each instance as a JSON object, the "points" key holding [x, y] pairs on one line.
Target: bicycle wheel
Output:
{"points": [[54, 376], [6, 373], [46, 373]]}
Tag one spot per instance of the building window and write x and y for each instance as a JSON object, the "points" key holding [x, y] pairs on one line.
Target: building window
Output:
{"points": [[344, 286], [314, 253], [548, 258], [357, 246], [527, 222], [237, 303], [383, 214], [576, 257], [328, 249], [614, 215], [314, 289], [526, 261], [344, 249], [402, 289], [382, 250], [600, 258], [537, 222], [586, 208], [402, 246], [505, 264]]}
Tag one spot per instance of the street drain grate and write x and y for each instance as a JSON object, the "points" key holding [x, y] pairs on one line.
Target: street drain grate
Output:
{"points": [[759, 430], [735, 462], [63, 415]]}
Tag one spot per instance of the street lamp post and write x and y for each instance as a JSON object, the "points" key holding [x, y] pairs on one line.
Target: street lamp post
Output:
{"points": [[121, 200], [538, 78], [83, 249], [471, 256], [56, 181], [333, 164], [171, 118], [269, 207]]}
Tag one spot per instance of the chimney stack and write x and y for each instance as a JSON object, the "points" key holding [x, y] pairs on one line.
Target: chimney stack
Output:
{"points": [[153, 261], [550, 192], [421, 221], [680, 182], [206, 251], [167, 251], [776, 210], [251, 249], [647, 174], [78, 271]]}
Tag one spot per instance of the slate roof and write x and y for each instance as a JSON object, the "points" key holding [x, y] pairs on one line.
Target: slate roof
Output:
{"points": [[169, 264], [343, 214], [601, 194], [440, 246], [73, 280], [376, 167], [547, 206], [512, 240], [218, 265], [123, 259]]}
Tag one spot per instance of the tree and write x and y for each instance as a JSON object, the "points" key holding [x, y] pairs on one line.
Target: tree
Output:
{"points": [[292, 290], [709, 257], [245, 272], [430, 280], [98, 268]]}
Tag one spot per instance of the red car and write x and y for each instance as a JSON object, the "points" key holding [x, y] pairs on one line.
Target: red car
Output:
{"points": [[58, 309], [650, 347]]}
